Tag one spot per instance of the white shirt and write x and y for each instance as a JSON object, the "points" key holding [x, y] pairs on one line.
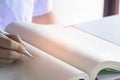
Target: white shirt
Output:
{"points": [[22, 10]]}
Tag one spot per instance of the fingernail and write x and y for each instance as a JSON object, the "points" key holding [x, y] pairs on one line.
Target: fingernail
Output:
{"points": [[22, 49]]}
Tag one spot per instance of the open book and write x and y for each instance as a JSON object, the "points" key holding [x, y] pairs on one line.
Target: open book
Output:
{"points": [[67, 53]]}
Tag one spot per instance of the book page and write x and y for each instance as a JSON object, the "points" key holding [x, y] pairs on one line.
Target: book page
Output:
{"points": [[41, 67], [77, 48], [55, 41], [107, 28]]}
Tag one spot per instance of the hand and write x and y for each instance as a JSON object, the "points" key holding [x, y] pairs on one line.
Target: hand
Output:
{"points": [[11, 49]]}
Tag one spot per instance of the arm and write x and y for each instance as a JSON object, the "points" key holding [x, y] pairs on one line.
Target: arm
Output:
{"points": [[48, 18], [42, 13]]}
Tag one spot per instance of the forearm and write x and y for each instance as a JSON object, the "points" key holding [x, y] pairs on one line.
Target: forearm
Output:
{"points": [[48, 18]]}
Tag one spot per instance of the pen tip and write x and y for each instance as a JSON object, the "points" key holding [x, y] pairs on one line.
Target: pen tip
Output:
{"points": [[28, 54]]}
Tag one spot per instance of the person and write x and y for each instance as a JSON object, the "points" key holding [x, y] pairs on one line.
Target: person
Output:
{"points": [[36, 11]]}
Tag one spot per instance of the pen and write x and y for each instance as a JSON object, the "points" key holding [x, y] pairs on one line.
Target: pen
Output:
{"points": [[26, 52]]}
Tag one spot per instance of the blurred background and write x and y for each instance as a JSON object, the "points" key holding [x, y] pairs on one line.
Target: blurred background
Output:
{"points": [[78, 11]]}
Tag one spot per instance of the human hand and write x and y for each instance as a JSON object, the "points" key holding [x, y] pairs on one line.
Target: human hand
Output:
{"points": [[11, 49]]}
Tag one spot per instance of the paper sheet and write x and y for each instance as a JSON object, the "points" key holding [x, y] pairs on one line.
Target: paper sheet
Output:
{"points": [[41, 67]]}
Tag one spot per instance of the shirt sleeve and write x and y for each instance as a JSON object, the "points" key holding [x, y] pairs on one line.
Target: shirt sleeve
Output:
{"points": [[21, 9], [16, 10], [42, 7]]}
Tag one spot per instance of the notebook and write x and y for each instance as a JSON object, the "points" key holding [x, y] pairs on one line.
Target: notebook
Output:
{"points": [[82, 51]]}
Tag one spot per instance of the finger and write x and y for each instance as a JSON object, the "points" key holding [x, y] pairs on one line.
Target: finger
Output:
{"points": [[9, 54], [5, 61], [16, 38], [11, 44]]}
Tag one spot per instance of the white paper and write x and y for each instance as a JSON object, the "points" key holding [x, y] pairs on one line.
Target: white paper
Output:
{"points": [[41, 67]]}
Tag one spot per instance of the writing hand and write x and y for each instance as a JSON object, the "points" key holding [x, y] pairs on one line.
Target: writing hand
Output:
{"points": [[11, 49]]}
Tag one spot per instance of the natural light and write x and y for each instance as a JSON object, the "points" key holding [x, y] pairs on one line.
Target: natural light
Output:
{"points": [[77, 11]]}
